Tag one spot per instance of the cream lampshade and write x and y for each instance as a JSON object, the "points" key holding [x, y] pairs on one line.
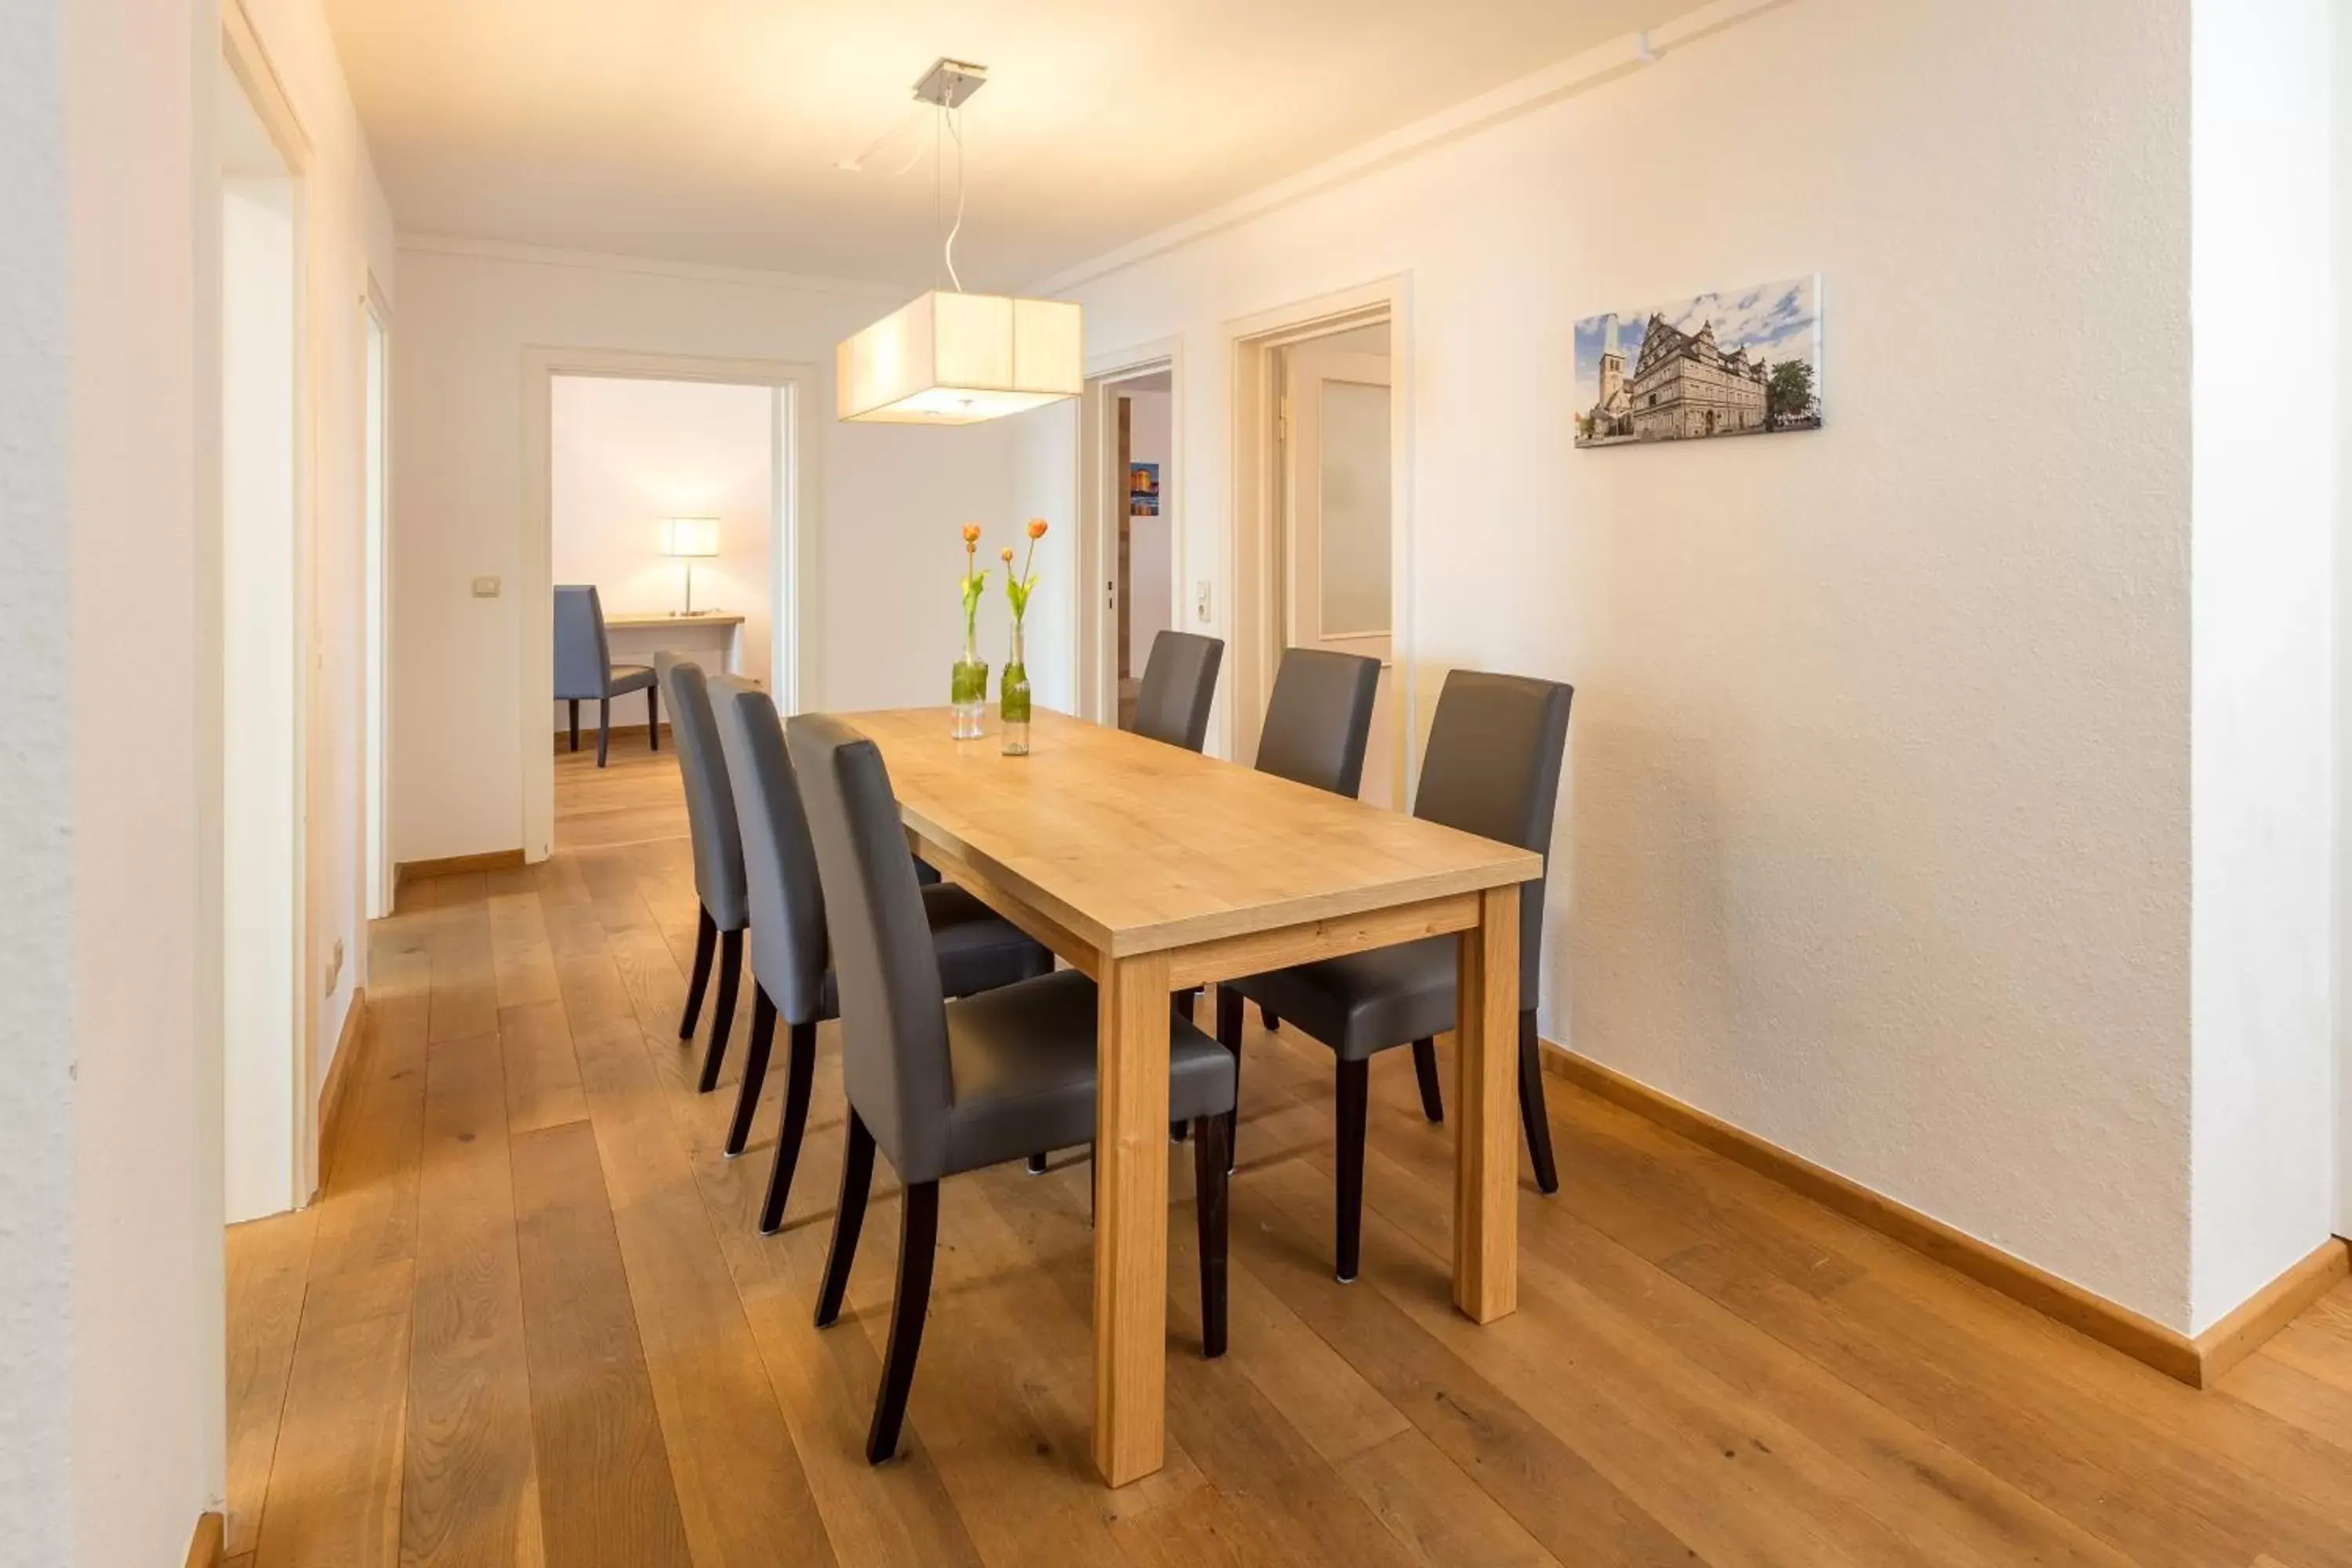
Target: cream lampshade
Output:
{"points": [[692, 538], [950, 358]]}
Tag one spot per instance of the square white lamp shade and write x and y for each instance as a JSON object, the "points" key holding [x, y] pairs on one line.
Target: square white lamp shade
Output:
{"points": [[689, 536], [957, 359]]}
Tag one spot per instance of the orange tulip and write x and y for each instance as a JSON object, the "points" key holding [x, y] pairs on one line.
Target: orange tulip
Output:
{"points": [[1036, 528], [1007, 553], [971, 533]]}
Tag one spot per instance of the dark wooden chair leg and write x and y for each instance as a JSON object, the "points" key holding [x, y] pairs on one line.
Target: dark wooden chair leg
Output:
{"points": [[755, 1070], [1354, 1108], [918, 1237], [730, 978], [800, 1073], [1229, 1035], [652, 716], [706, 942], [1213, 1136], [1265, 1015], [604, 728], [1532, 1114], [849, 1219], [1037, 1164], [575, 723], [1425, 1068]]}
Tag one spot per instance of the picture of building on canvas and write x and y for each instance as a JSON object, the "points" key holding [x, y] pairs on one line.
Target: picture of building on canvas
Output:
{"points": [[1742, 362]]}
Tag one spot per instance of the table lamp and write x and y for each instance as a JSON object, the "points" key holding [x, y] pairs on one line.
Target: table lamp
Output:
{"points": [[690, 537]]}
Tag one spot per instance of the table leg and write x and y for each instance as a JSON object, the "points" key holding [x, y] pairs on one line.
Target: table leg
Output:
{"points": [[1486, 1128], [1131, 1221]]}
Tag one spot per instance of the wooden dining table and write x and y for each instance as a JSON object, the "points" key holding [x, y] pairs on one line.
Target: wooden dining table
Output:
{"points": [[1153, 869]]}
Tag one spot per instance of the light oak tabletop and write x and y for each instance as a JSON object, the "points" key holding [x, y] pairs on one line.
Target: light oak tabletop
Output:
{"points": [[1138, 847]]}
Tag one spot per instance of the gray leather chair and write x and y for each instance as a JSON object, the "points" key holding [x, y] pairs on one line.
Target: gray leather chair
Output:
{"points": [[584, 670], [1492, 768], [1180, 683], [973, 948], [710, 820], [1318, 724], [944, 1088]]}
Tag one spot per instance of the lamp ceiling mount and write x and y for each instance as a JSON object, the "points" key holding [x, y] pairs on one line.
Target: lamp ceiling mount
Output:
{"points": [[950, 82]]}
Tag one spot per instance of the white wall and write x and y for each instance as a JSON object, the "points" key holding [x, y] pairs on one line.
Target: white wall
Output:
{"points": [[111, 1371], [1875, 834], [1150, 606], [627, 454], [891, 500], [2263, 563]]}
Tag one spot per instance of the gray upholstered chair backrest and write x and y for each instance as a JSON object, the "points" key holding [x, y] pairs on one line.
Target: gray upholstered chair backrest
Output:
{"points": [[1319, 719], [783, 898], [1180, 682], [1492, 768], [894, 1032], [584, 661], [710, 796]]}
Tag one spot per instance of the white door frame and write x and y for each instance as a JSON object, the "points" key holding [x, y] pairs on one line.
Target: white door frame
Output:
{"points": [[249, 62], [1253, 617], [793, 543], [1101, 494], [376, 620]]}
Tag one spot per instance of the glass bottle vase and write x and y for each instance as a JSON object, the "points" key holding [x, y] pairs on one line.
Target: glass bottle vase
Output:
{"points": [[1012, 701], [968, 689]]}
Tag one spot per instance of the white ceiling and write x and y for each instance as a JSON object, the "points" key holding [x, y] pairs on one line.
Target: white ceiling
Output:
{"points": [[709, 129]]}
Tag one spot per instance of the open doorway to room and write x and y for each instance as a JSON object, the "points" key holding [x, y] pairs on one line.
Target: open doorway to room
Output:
{"points": [[1129, 546], [674, 487], [1144, 577], [1320, 527], [662, 500], [268, 1062]]}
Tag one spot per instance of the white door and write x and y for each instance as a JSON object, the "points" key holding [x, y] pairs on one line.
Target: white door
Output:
{"points": [[1337, 573]]}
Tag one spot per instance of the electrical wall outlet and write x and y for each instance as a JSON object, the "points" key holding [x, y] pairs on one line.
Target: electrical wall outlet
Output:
{"points": [[1201, 600], [487, 587]]}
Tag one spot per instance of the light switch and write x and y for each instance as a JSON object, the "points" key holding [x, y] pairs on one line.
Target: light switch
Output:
{"points": [[1201, 600], [486, 587]]}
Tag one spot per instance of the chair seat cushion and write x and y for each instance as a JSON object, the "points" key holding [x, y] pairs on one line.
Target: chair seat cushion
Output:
{"points": [[628, 678], [1365, 1001], [1022, 1065], [979, 949]]}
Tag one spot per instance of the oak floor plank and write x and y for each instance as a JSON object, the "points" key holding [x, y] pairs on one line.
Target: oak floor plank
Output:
{"points": [[268, 1263], [1427, 1503], [604, 1490], [541, 1070], [741, 1490], [522, 964], [468, 1494]]}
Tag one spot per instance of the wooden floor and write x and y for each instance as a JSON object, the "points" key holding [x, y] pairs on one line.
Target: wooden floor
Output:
{"points": [[530, 1322]]}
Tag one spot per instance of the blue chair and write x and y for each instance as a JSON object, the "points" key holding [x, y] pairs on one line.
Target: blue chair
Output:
{"points": [[584, 670]]}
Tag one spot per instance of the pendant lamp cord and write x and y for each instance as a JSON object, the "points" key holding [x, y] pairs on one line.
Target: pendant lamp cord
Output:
{"points": [[953, 118]]}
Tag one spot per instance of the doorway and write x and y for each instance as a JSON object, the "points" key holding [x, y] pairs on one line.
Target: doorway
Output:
{"points": [[663, 497], [1130, 543], [622, 444], [265, 656], [1334, 521], [1322, 513]]}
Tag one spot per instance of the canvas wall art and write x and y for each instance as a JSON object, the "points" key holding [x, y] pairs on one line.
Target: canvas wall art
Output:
{"points": [[1746, 361], [1143, 490]]}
